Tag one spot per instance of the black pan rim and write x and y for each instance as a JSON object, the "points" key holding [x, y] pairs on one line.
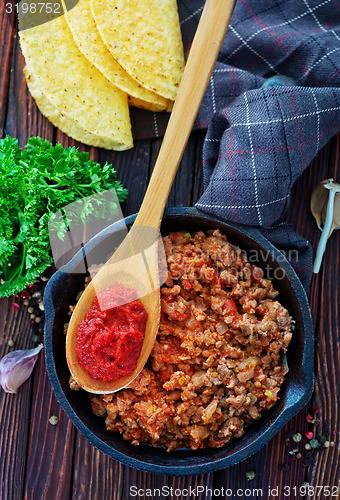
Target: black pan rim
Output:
{"points": [[306, 384]]}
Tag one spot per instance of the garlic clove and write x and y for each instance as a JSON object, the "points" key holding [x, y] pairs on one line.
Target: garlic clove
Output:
{"points": [[336, 215], [16, 367], [318, 203], [325, 206]]}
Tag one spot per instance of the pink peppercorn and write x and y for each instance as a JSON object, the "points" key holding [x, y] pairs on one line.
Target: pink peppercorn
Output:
{"points": [[15, 306], [309, 435], [309, 419], [24, 294]]}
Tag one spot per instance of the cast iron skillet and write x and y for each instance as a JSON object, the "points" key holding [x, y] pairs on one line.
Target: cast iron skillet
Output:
{"points": [[61, 291]]}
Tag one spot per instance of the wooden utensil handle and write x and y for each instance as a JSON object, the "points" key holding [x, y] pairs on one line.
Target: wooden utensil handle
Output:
{"points": [[202, 57]]}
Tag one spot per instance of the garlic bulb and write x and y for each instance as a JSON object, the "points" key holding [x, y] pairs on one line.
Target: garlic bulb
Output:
{"points": [[16, 367]]}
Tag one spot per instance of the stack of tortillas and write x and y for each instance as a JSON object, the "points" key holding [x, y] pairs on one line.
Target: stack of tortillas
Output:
{"points": [[86, 64]]}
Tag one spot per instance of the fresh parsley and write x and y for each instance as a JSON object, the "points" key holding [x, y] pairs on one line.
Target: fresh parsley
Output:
{"points": [[34, 184]]}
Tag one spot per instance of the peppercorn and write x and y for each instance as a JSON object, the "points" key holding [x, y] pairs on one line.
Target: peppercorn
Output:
{"points": [[297, 437], [314, 443], [250, 475], [53, 420], [285, 467]]}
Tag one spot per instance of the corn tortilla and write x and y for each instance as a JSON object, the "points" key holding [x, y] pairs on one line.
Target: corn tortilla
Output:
{"points": [[76, 88], [91, 45], [144, 36], [66, 125]]}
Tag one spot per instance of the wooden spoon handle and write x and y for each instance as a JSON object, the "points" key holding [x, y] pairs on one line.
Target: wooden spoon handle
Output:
{"points": [[202, 57]]}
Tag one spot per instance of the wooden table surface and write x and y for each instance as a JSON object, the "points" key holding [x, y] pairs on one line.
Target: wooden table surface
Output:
{"points": [[39, 460]]}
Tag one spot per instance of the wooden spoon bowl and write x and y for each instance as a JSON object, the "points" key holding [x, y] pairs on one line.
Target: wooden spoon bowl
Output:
{"points": [[126, 267]]}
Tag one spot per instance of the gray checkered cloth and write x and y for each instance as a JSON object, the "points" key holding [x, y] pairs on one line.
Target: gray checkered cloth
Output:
{"points": [[264, 131]]}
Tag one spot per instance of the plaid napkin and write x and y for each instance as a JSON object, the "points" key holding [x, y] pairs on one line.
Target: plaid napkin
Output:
{"points": [[264, 130]]}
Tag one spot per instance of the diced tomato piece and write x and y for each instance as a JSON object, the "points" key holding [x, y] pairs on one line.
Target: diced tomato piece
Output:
{"points": [[261, 310], [256, 274], [230, 307], [187, 284], [216, 279], [164, 374]]}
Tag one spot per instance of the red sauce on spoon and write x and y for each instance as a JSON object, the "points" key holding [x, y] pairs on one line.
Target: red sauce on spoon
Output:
{"points": [[110, 339]]}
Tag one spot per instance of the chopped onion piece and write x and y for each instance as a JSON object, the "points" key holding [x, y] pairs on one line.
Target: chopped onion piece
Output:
{"points": [[222, 328]]}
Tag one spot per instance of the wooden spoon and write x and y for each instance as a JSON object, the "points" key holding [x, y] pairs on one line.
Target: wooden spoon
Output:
{"points": [[127, 266]]}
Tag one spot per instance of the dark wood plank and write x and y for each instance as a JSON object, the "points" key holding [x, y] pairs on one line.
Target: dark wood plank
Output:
{"points": [[197, 186], [180, 193], [96, 476], [324, 301], [14, 408], [324, 468], [133, 171], [142, 481], [189, 172], [23, 118], [202, 484], [50, 447], [141, 485]]}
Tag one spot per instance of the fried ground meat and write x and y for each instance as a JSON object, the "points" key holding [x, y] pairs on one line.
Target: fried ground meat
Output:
{"points": [[215, 365]]}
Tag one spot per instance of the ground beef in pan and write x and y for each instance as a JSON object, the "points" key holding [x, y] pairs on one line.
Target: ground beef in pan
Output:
{"points": [[215, 365]]}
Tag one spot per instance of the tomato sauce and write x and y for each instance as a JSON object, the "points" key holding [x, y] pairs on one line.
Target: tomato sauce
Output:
{"points": [[109, 340]]}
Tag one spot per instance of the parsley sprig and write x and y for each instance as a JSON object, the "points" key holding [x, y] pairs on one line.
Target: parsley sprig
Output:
{"points": [[34, 184]]}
